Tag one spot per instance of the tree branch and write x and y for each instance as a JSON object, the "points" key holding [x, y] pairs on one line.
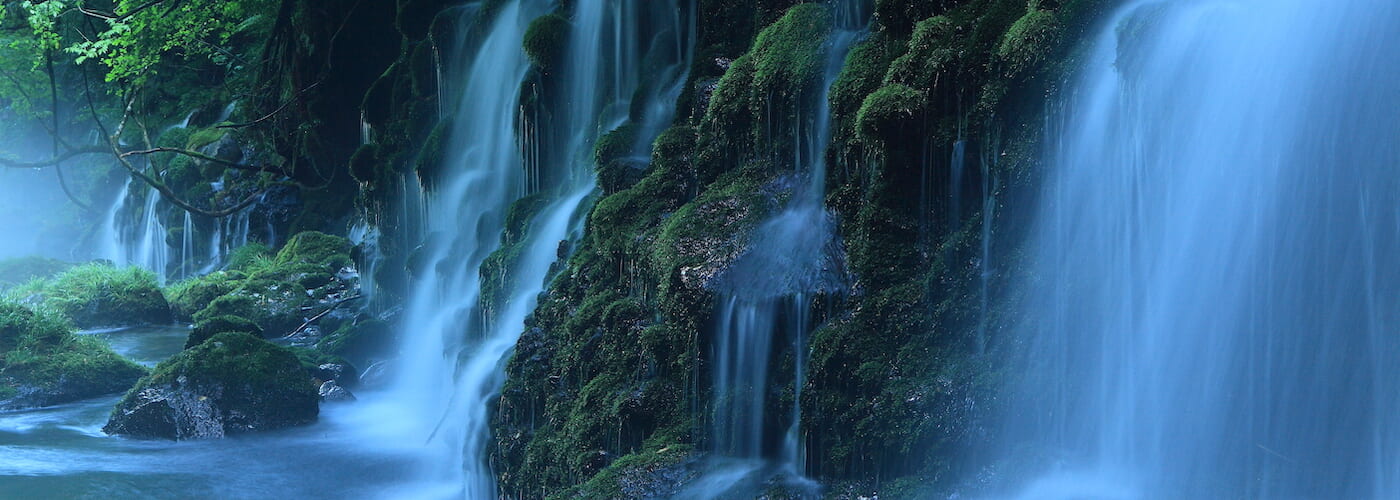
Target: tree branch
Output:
{"points": [[201, 156], [275, 111]]}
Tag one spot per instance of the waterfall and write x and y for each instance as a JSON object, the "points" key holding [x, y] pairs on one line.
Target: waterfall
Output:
{"points": [[1214, 309], [764, 303], [451, 360], [463, 218], [133, 235]]}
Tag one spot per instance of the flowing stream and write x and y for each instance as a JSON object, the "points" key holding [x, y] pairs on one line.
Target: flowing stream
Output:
{"points": [[1215, 309], [61, 452]]}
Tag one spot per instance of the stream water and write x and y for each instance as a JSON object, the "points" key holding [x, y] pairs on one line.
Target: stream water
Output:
{"points": [[61, 452]]}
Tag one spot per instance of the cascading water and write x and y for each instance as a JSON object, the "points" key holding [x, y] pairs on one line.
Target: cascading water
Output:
{"points": [[133, 235], [1215, 309], [451, 360], [764, 303], [464, 217]]}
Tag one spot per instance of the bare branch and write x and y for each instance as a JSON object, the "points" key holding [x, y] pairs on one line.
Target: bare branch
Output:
{"points": [[275, 111], [201, 156]]}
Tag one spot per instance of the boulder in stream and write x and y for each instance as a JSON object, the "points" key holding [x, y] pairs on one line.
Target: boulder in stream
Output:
{"points": [[232, 383]]}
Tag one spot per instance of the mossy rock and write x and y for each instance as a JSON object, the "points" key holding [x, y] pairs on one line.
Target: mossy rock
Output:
{"points": [[886, 111], [1030, 41], [100, 295], [314, 247], [232, 383], [42, 362], [210, 327], [192, 295], [364, 164], [359, 341], [545, 41], [932, 51], [247, 256]]}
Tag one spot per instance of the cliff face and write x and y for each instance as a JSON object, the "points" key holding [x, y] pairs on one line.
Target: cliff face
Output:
{"points": [[936, 118]]}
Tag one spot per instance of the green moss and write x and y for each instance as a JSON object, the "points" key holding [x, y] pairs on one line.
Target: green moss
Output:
{"points": [[40, 355], [205, 137], [233, 304], [248, 256], [210, 327], [359, 341], [365, 163], [497, 271], [783, 65], [932, 53], [233, 358], [318, 248], [189, 296], [94, 295], [615, 144], [1030, 41], [887, 110], [610, 156], [431, 158], [545, 40]]}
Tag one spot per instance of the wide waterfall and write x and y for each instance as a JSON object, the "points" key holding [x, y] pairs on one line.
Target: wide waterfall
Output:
{"points": [[1214, 309]]}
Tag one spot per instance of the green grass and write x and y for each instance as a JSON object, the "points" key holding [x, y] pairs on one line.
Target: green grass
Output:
{"points": [[93, 295], [39, 350]]}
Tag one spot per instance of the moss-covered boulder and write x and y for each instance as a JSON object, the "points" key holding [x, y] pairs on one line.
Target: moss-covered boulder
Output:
{"points": [[42, 362], [545, 39], [318, 248], [100, 295], [210, 327], [277, 292], [232, 383]]}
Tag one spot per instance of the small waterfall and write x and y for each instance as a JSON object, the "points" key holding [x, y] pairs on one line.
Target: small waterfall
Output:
{"points": [[133, 235], [764, 303], [1214, 309], [452, 356], [956, 165], [442, 357]]}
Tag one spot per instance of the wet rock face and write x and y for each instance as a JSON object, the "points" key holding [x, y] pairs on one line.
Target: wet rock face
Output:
{"points": [[232, 383], [332, 393]]}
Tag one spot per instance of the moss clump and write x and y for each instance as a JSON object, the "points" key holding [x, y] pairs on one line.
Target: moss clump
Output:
{"points": [[189, 296], [887, 110], [231, 383], [42, 362], [431, 158], [931, 52], [364, 164], [545, 40], [205, 137], [359, 341], [318, 248], [783, 65], [210, 327], [1030, 41], [610, 154], [100, 295], [272, 291], [247, 256]]}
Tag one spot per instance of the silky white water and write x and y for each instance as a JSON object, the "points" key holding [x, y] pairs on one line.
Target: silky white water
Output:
{"points": [[1215, 301]]}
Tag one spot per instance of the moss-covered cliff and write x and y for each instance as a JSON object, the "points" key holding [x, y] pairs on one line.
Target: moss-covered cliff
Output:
{"points": [[608, 390]]}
